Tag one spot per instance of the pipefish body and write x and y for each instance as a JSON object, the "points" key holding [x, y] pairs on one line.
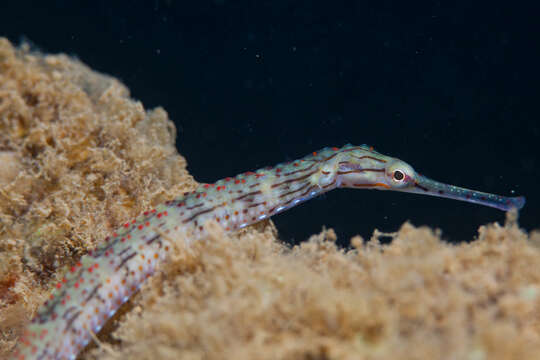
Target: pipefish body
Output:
{"points": [[93, 289]]}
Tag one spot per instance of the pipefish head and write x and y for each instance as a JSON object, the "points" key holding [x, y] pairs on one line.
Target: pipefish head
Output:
{"points": [[363, 167]]}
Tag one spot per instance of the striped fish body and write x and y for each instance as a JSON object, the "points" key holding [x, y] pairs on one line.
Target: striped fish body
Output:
{"points": [[93, 289]]}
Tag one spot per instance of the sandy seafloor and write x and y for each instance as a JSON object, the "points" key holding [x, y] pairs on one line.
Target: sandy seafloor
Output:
{"points": [[79, 157]]}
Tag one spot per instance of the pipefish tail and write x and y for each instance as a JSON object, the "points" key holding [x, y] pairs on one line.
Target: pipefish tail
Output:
{"points": [[93, 289]]}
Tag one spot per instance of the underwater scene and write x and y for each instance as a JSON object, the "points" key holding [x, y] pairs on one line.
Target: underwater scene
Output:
{"points": [[269, 180]]}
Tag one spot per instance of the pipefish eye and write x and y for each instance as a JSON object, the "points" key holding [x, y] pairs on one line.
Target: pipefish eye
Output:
{"points": [[398, 175]]}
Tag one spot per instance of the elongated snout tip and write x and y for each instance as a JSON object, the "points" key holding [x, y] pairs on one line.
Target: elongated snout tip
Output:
{"points": [[518, 202]]}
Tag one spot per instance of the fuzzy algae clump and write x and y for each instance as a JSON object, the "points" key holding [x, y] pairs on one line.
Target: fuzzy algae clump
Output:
{"points": [[79, 157]]}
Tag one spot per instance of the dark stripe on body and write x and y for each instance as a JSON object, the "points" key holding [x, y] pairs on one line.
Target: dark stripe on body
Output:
{"points": [[295, 179], [359, 171], [125, 260], [292, 192], [246, 195], [301, 195], [124, 251], [194, 206], [330, 184], [92, 293], [197, 214], [368, 157], [71, 320], [152, 239], [299, 170]]}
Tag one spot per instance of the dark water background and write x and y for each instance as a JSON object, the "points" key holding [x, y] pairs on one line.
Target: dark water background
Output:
{"points": [[450, 87]]}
